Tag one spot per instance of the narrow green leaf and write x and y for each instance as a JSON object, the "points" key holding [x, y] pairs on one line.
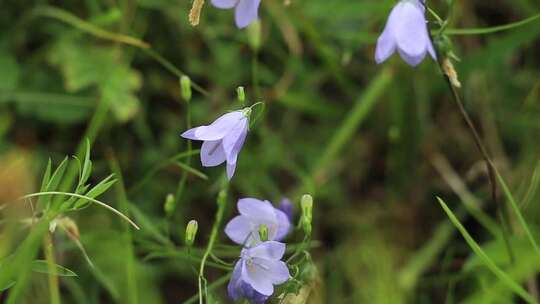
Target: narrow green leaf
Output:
{"points": [[87, 165], [518, 213], [40, 266], [96, 191], [485, 259]]}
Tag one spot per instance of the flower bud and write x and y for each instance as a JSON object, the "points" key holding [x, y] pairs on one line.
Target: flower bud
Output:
{"points": [[185, 88], [191, 232], [263, 232], [241, 94], [306, 204], [254, 35], [169, 204]]}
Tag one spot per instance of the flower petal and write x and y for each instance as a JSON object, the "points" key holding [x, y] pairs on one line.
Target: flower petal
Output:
{"points": [[270, 250], [257, 210], [224, 4], [230, 170], [275, 271], [246, 12], [235, 284], [411, 35], [284, 225], [238, 229], [217, 130], [234, 140], [258, 278], [212, 153], [386, 45]]}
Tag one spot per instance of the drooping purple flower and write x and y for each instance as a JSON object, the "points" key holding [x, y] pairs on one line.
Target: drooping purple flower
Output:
{"points": [[245, 11], [222, 140], [257, 271], [287, 207], [406, 30], [244, 228]]}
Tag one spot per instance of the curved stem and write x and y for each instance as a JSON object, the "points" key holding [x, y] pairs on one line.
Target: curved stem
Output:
{"points": [[86, 198], [493, 29]]}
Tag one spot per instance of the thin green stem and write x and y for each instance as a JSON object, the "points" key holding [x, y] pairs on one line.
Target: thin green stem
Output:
{"points": [[129, 255], [54, 290], [221, 203], [494, 29], [481, 148], [67, 17]]}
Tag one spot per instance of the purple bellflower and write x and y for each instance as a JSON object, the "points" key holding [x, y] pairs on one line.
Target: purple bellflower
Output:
{"points": [[244, 228], [406, 30], [245, 11], [257, 271], [222, 140]]}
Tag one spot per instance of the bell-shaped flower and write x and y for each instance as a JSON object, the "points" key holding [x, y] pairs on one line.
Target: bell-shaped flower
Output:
{"points": [[222, 140], [406, 31], [244, 228], [245, 11], [257, 271]]}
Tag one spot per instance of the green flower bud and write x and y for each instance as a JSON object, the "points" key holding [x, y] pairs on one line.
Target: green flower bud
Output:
{"points": [[306, 203], [263, 232], [169, 205], [185, 88], [191, 232], [241, 94], [254, 35]]}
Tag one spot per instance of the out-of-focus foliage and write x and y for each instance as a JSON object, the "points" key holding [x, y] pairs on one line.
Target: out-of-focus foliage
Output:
{"points": [[373, 144]]}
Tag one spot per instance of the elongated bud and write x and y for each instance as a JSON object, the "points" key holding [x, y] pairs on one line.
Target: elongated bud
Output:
{"points": [[263, 232], [241, 94], [254, 35], [185, 88], [191, 232], [169, 204], [307, 210]]}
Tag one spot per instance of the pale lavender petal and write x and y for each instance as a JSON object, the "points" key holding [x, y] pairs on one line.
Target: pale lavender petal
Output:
{"points": [[218, 129], [238, 229], [275, 271], [235, 284], [212, 153], [412, 60], [230, 170], [224, 4], [386, 45], [287, 207], [411, 35], [269, 250], [258, 278], [233, 141], [283, 224], [246, 12], [257, 210]]}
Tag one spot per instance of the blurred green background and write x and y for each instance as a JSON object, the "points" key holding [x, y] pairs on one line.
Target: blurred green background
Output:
{"points": [[373, 144]]}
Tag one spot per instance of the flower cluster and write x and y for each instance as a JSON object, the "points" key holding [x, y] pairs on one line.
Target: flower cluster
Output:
{"points": [[259, 267]]}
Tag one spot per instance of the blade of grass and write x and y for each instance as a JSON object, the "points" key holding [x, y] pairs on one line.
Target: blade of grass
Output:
{"points": [[518, 213], [485, 259]]}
